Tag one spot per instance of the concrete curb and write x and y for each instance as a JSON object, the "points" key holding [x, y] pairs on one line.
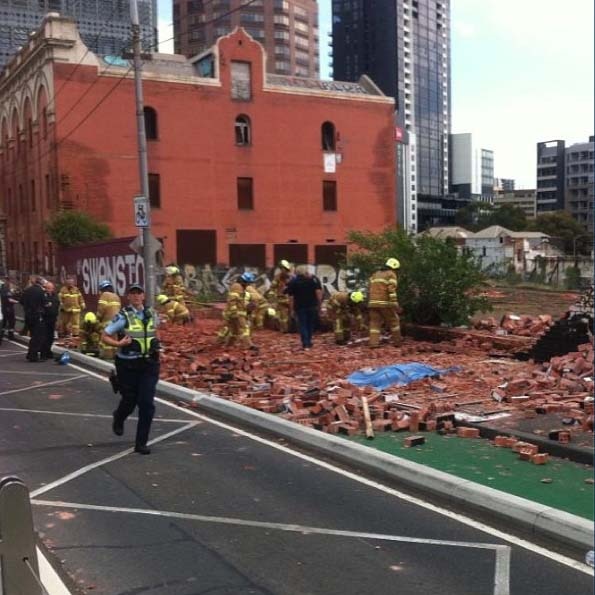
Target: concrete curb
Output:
{"points": [[539, 520]]}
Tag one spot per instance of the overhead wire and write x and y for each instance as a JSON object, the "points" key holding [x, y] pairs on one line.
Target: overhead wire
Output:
{"points": [[209, 22], [120, 79], [69, 77]]}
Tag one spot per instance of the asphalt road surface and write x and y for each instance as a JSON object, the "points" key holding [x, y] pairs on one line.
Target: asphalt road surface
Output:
{"points": [[219, 510]]}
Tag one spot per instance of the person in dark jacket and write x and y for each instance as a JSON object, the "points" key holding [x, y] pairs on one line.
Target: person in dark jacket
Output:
{"points": [[50, 316], [305, 293], [33, 301], [8, 299]]}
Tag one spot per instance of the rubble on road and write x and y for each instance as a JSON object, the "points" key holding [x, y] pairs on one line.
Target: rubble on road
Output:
{"points": [[310, 387]]}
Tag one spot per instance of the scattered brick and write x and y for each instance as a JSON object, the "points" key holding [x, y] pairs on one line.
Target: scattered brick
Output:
{"points": [[414, 441], [540, 458], [463, 432], [282, 380]]}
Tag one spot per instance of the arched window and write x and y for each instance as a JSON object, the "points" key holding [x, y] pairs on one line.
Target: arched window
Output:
{"points": [[328, 136], [150, 123], [243, 132]]}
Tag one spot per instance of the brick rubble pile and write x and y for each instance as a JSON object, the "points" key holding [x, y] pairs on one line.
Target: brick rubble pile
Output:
{"points": [[518, 326], [310, 387]]}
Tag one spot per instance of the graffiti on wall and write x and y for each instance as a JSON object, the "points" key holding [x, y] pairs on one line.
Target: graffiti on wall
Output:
{"points": [[117, 261], [214, 282]]}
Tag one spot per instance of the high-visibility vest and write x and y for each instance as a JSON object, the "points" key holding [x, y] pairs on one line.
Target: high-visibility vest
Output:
{"points": [[142, 332]]}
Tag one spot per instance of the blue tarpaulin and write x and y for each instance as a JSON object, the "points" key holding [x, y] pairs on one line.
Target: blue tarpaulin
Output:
{"points": [[401, 374]]}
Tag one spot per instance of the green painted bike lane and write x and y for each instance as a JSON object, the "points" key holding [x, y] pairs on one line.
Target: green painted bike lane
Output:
{"points": [[567, 486]]}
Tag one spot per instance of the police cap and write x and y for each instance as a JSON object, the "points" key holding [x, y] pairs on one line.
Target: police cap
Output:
{"points": [[135, 288]]}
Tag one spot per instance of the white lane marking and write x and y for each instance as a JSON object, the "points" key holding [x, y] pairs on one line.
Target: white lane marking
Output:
{"points": [[52, 583], [496, 533], [98, 415], [41, 385], [502, 574], [10, 353], [87, 468], [502, 552], [40, 373]]}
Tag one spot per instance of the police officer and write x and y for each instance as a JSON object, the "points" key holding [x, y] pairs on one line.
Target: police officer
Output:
{"points": [[133, 331], [33, 301]]}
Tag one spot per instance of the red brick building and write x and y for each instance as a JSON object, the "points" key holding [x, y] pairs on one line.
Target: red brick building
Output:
{"points": [[245, 167]]}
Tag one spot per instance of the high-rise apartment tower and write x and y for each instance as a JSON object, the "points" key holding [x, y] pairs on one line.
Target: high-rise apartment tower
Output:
{"points": [[288, 29], [104, 25], [404, 46]]}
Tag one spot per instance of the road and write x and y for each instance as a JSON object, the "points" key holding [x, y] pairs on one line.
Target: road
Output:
{"points": [[216, 509]]}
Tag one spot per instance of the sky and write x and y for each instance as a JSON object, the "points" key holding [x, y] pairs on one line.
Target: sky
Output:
{"points": [[522, 73]]}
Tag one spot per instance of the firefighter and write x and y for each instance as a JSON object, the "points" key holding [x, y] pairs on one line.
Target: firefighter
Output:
{"points": [[176, 312], [90, 335], [345, 307], [236, 326], [276, 294], [382, 303], [71, 306], [108, 305], [257, 306], [173, 286]]}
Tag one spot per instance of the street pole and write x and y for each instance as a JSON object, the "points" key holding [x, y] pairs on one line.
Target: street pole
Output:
{"points": [[143, 168]]}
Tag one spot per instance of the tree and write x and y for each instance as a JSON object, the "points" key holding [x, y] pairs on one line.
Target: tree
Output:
{"points": [[508, 216], [470, 215], [437, 282], [561, 225], [73, 228]]}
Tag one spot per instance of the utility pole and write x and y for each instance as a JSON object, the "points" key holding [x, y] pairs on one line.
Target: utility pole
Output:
{"points": [[143, 168]]}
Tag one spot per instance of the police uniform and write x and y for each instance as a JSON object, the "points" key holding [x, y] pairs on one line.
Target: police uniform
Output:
{"points": [[137, 368]]}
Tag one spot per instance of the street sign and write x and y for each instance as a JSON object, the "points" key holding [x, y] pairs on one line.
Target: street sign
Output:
{"points": [[155, 245], [141, 211]]}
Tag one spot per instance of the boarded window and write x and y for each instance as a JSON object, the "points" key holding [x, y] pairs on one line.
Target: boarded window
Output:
{"points": [[155, 191], [294, 253], [150, 123], [328, 136], [329, 195], [333, 254], [245, 194], [240, 81], [247, 255], [196, 246]]}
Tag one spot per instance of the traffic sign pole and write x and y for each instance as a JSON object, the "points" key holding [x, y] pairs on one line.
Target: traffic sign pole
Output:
{"points": [[148, 256]]}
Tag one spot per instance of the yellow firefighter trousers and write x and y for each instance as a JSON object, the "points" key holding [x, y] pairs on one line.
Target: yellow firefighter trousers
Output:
{"points": [[390, 318], [69, 323]]}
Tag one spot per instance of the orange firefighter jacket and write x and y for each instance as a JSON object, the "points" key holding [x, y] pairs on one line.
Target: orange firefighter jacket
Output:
{"points": [[71, 299], [383, 290], [108, 305]]}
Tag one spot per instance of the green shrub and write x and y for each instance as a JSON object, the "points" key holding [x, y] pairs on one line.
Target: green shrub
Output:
{"points": [[74, 228], [437, 282]]}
